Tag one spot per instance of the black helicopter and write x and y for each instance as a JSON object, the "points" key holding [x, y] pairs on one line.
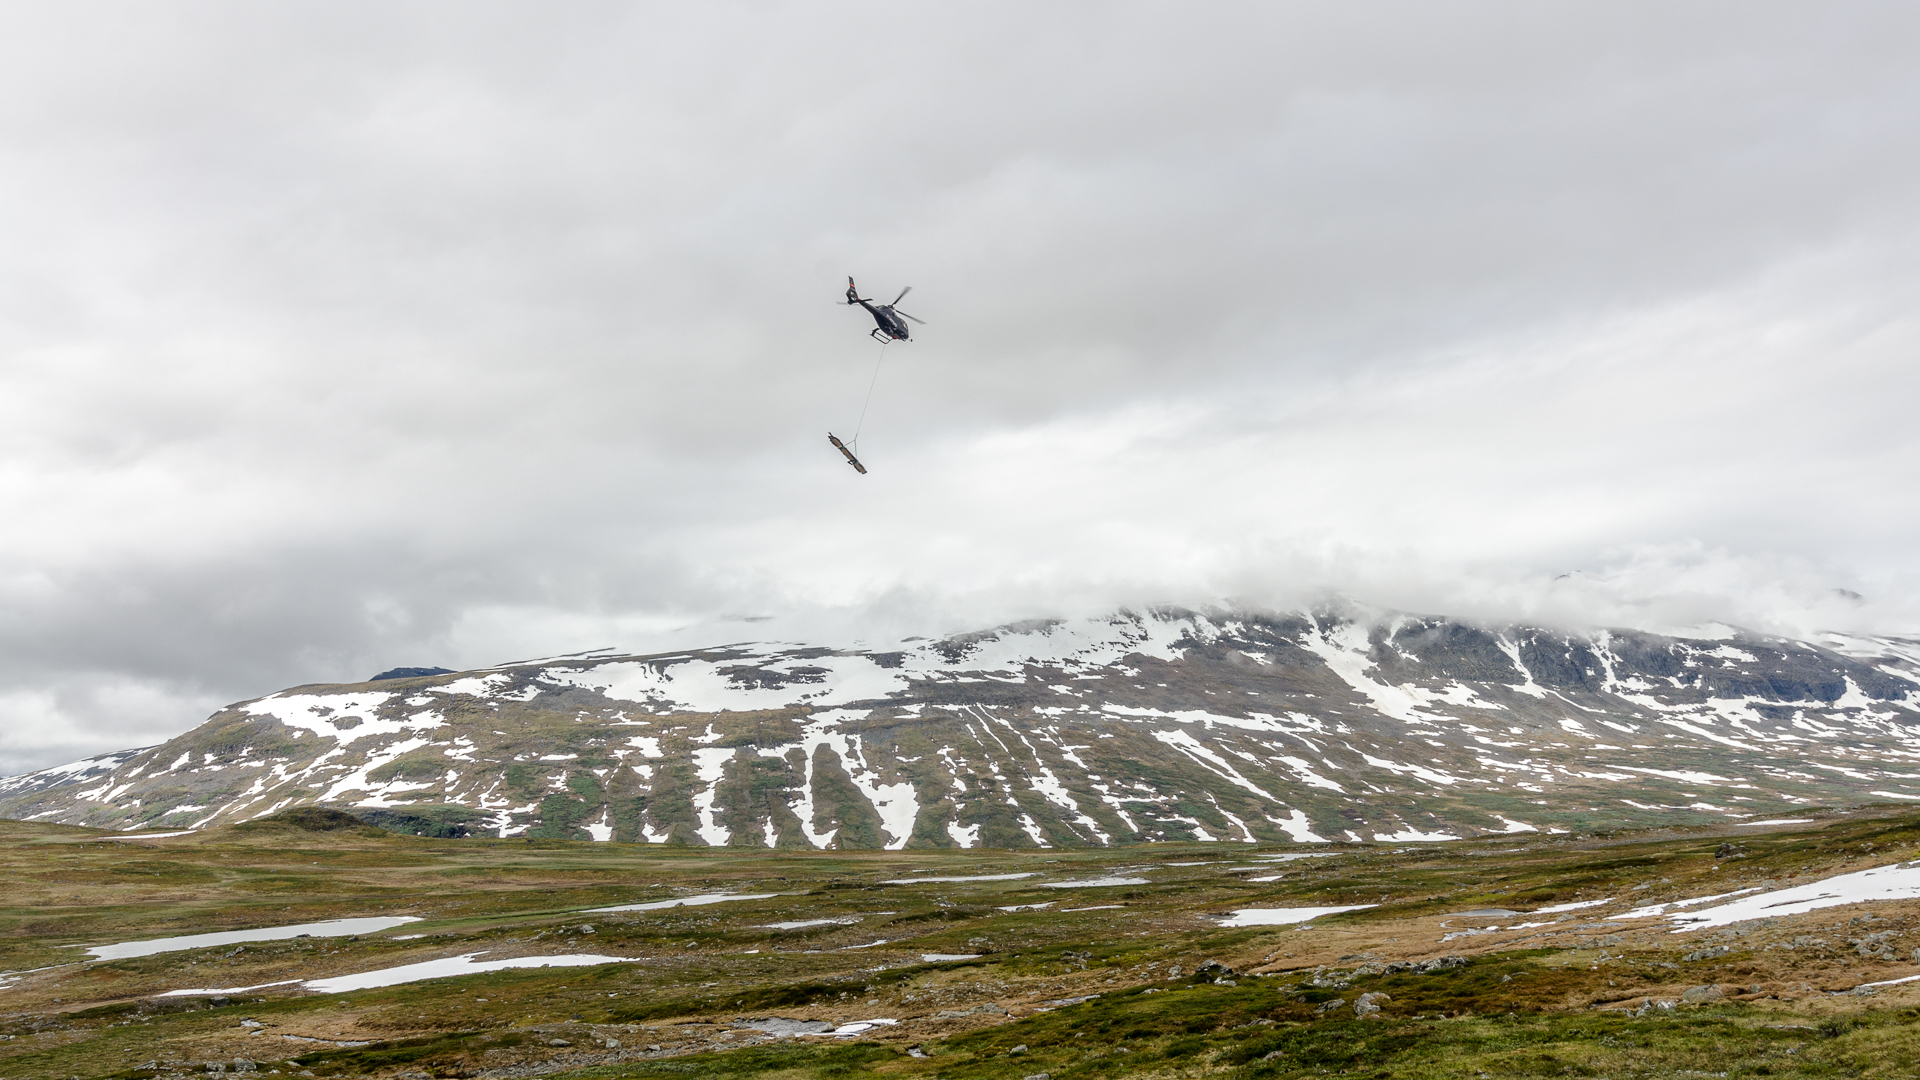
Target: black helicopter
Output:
{"points": [[886, 317]]}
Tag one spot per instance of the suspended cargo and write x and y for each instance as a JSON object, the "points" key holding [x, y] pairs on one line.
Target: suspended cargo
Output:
{"points": [[842, 447]]}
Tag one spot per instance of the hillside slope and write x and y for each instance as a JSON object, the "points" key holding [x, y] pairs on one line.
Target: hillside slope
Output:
{"points": [[1158, 725]]}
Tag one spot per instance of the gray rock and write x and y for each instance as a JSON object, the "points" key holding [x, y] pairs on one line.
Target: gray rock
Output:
{"points": [[1874, 946], [1702, 993], [1322, 979], [780, 1025], [1213, 971], [1369, 1005]]}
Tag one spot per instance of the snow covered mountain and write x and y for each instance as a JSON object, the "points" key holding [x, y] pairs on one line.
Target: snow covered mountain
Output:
{"points": [[1156, 725], [73, 772]]}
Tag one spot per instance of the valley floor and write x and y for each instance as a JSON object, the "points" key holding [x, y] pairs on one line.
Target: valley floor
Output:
{"points": [[1770, 950]]}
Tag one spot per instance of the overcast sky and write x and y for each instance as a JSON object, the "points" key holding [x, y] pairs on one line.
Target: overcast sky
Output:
{"points": [[340, 336]]}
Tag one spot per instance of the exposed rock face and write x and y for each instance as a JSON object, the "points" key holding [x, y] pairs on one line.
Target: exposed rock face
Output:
{"points": [[410, 673], [1142, 726]]}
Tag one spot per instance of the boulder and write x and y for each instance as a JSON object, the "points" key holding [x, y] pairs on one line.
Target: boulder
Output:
{"points": [[1213, 971]]}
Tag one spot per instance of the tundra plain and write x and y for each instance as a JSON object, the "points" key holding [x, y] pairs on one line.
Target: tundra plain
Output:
{"points": [[1536, 955]]}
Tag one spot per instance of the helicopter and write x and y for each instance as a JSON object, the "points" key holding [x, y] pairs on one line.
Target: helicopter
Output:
{"points": [[886, 316]]}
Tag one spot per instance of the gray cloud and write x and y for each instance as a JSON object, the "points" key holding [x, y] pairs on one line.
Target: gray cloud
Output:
{"points": [[339, 336]]}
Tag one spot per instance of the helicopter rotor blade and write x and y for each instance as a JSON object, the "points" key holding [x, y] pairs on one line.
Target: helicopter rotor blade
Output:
{"points": [[902, 296], [897, 311]]}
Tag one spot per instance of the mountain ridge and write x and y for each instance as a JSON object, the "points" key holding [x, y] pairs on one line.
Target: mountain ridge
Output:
{"points": [[1330, 724]]}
